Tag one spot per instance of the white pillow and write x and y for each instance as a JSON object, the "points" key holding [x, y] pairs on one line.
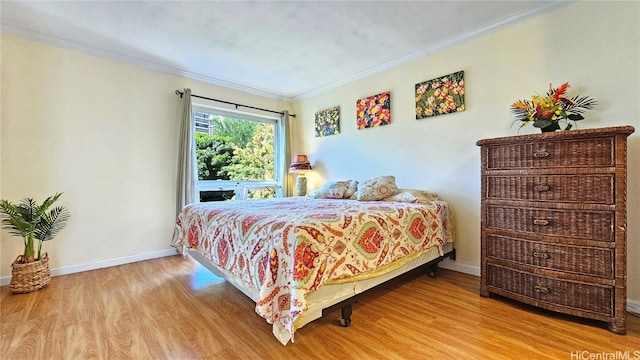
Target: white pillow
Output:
{"points": [[404, 196], [421, 195]]}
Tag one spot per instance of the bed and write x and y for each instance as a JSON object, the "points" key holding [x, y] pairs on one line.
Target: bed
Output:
{"points": [[297, 257]]}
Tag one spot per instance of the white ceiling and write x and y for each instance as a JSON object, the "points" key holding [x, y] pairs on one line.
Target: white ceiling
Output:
{"points": [[279, 49]]}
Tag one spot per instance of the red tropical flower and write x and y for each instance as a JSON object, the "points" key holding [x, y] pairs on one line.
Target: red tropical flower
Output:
{"points": [[559, 92]]}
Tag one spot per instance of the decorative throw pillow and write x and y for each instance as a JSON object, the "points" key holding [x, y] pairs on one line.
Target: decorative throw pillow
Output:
{"points": [[351, 190], [377, 188], [331, 190]]}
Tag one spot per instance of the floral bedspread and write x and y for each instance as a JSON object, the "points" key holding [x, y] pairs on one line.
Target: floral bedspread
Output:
{"points": [[285, 248]]}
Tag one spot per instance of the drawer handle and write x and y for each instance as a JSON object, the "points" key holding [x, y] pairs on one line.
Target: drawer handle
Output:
{"points": [[541, 255], [541, 222], [541, 188], [540, 154], [542, 289]]}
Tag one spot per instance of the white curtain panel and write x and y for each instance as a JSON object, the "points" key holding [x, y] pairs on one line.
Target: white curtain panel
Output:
{"points": [[187, 167], [285, 157]]}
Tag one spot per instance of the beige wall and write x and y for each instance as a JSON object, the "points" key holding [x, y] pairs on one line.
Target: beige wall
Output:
{"points": [[105, 134], [592, 45]]}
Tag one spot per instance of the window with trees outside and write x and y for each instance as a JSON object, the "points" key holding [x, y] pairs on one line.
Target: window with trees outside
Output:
{"points": [[236, 154]]}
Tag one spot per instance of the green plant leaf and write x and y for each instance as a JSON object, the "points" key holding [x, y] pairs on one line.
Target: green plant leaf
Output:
{"points": [[13, 219], [542, 123], [51, 223], [575, 117], [32, 221]]}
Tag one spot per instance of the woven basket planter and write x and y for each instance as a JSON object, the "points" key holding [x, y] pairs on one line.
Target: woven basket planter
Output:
{"points": [[30, 276]]}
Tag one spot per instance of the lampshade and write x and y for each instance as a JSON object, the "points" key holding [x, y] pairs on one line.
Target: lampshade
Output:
{"points": [[300, 164]]}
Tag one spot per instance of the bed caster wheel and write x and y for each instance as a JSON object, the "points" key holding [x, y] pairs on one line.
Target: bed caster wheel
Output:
{"points": [[345, 316], [432, 271], [345, 322]]}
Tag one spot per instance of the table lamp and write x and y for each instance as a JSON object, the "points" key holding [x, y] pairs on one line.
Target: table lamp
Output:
{"points": [[300, 166]]}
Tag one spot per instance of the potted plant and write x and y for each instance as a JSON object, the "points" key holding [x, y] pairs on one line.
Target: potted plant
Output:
{"points": [[35, 223], [547, 112]]}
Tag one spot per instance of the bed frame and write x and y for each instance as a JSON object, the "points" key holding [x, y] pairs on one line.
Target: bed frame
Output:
{"points": [[430, 268], [345, 306]]}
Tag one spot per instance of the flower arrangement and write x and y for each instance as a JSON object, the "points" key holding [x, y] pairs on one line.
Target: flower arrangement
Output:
{"points": [[547, 112]]}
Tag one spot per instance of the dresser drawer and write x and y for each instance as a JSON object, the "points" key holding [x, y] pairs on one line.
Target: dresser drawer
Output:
{"points": [[568, 294], [591, 189], [574, 259], [552, 154], [553, 209], [577, 224]]}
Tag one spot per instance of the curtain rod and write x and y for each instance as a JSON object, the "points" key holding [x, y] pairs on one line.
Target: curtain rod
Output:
{"points": [[180, 93]]}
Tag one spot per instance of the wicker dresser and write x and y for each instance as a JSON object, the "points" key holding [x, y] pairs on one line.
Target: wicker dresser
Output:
{"points": [[554, 221]]}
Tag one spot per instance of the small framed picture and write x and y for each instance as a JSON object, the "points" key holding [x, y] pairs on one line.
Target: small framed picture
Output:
{"points": [[373, 111], [328, 122], [439, 96]]}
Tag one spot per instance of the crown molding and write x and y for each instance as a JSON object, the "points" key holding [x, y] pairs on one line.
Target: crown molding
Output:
{"points": [[544, 7], [135, 61]]}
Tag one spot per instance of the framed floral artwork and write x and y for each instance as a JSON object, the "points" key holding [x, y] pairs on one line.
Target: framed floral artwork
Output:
{"points": [[443, 95], [373, 111], [328, 122]]}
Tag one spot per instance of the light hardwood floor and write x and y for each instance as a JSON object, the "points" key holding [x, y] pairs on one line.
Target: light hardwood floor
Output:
{"points": [[172, 308]]}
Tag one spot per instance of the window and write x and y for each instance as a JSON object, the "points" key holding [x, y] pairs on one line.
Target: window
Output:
{"points": [[237, 155]]}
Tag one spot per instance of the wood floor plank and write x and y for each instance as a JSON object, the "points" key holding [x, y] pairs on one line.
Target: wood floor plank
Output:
{"points": [[27, 341], [83, 340], [124, 344], [173, 308], [165, 339]]}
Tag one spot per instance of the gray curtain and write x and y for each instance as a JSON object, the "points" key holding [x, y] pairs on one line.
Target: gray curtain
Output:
{"points": [[286, 153], [187, 169]]}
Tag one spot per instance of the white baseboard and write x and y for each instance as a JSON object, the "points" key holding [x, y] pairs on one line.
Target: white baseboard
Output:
{"points": [[102, 264], [455, 266], [633, 306]]}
